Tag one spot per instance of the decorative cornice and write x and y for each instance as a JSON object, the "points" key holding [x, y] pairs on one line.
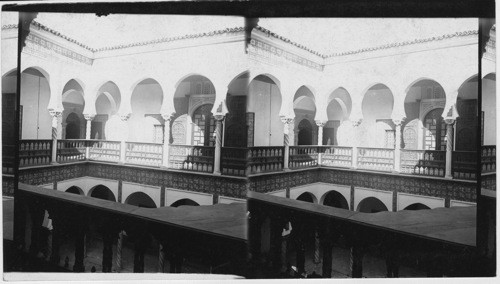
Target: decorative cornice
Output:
{"points": [[176, 38], [134, 44], [405, 43], [368, 49]]}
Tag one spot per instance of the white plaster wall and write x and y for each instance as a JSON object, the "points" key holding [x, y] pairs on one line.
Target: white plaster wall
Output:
{"points": [[458, 203], [229, 200], [405, 200], [35, 96], [87, 183], [172, 195], [490, 111], [362, 193], [154, 192]]}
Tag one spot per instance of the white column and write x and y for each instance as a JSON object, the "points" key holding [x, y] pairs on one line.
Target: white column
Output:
{"points": [[123, 150], [287, 121], [88, 118], [320, 124], [397, 146], [355, 124], [55, 113], [218, 142], [166, 139], [449, 146]]}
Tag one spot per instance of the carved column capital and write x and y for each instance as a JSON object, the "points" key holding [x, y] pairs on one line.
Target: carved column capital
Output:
{"points": [[320, 123], [449, 120], [55, 112], [125, 116], [356, 122], [89, 116], [167, 116], [219, 116], [399, 120], [286, 120]]}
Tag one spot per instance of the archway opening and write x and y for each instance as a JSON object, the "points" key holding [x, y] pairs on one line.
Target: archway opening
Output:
{"points": [[236, 122], [371, 205], [304, 107], [36, 122], [146, 123], [72, 116], [424, 128], [107, 105], [264, 104], [193, 123], [416, 206], [377, 129], [466, 124], [102, 192], [335, 199], [335, 131], [9, 139], [75, 190], [184, 202], [307, 197], [140, 199]]}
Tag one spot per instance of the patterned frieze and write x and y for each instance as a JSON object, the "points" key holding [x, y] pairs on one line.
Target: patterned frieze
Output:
{"points": [[40, 46], [222, 185]]}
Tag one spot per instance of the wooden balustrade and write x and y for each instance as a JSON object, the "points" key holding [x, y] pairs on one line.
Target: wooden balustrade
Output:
{"points": [[192, 158], [149, 154], [303, 157], [423, 162], [378, 159], [488, 158], [336, 156], [108, 151], [71, 150], [463, 165], [234, 161], [265, 159], [35, 152]]}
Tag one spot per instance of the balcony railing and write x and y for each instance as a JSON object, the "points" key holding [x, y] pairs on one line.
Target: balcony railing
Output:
{"points": [[149, 154], [488, 159], [107, 151], [254, 160], [423, 162], [8, 159], [336, 156], [265, 159], [378, 159], [234, 161], [464, 164], [71, 150], [34, 152], [303, 157], [192, 158]]}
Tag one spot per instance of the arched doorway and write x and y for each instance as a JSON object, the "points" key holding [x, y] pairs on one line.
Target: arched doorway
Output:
{"points": [[305, 133], [237, 119], [371, 205], [376, 129], [416, 206], [140, 199], [75, 190], [203, 126], [73, 126], [184, 202], [337, 130], [307, 197], [146, 124], [466, 125], [434, 130], [107, 105], [102, 192], [335, 199]]}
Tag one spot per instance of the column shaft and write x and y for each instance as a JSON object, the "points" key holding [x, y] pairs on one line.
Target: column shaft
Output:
{"points": [[119, 251], [166, 142], [55, 116], [356, 261], [449, 149], [161, 258], [397, 149], [218, 145]]}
